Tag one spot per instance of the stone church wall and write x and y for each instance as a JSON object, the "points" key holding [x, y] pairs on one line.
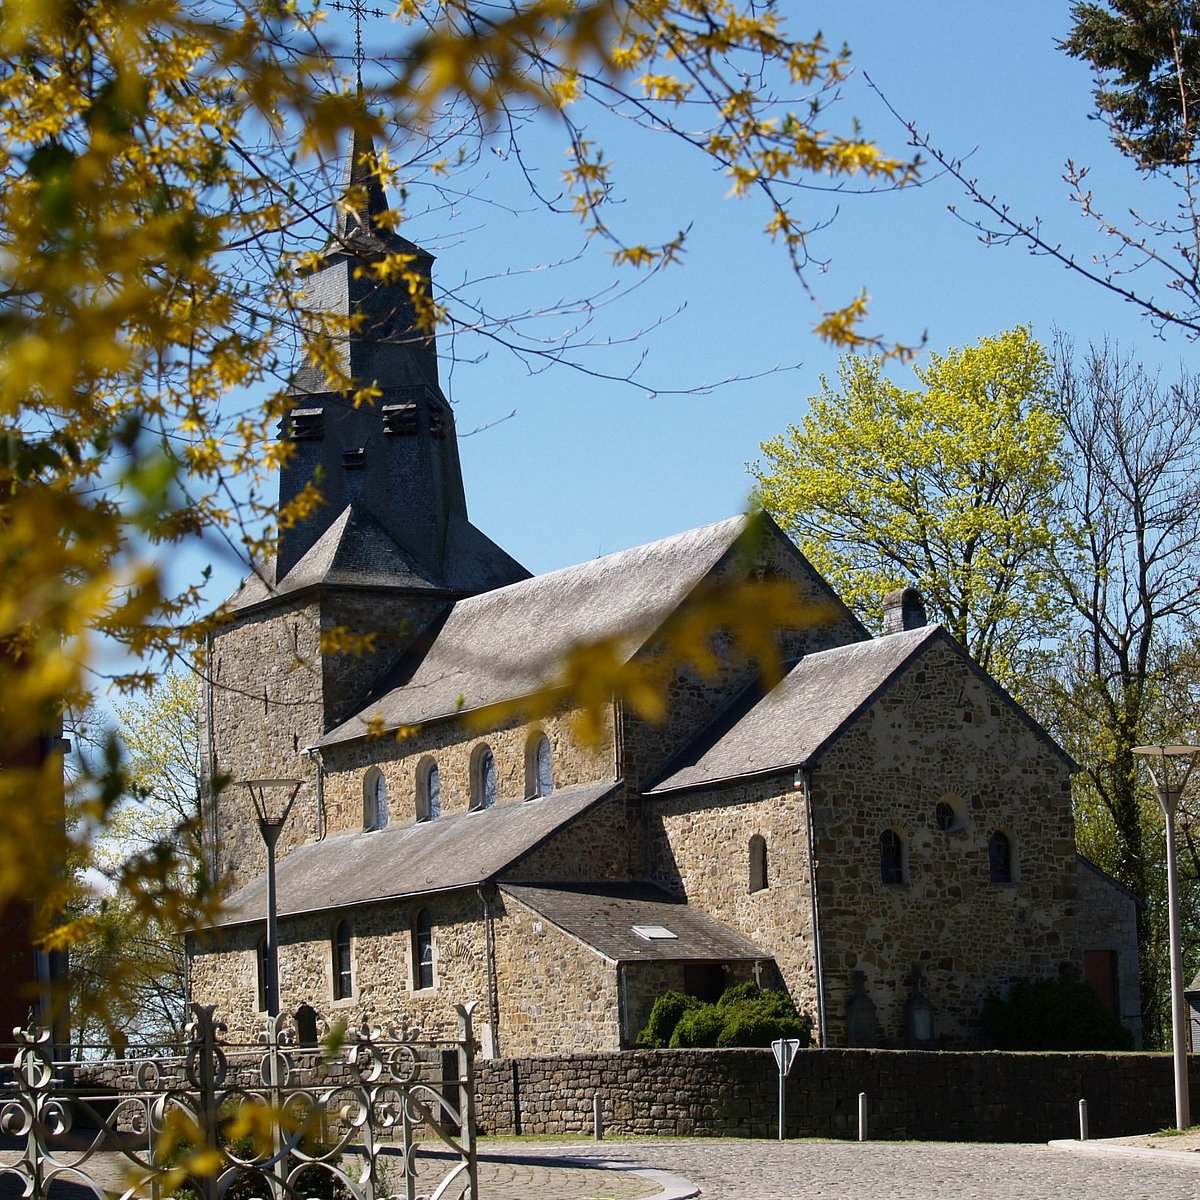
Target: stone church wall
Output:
{"points": [[553, 992], [224, 972], [451, 743], [700, 849], [941, 733], [266, 689], [693, 698]]}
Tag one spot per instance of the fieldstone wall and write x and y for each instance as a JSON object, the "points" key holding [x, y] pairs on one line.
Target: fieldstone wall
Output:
{"points": [[987, 1097], [942, 733], [700, 849], [451, 744], [224, 967], [1108, 921], [273, 694], [692, 698]]}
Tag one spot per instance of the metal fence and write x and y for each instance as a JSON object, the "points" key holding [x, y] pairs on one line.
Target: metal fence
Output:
{"points": [[366, 1116]]}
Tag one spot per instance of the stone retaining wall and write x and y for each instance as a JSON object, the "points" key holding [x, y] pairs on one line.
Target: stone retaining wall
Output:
{"points": [[987, 1097]]}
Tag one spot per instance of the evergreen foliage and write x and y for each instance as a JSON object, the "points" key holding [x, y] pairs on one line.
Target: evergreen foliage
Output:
{"points": [[1053, 1014], [745, 1015]]}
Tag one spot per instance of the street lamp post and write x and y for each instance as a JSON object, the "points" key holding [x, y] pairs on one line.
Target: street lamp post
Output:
{"points": [[272, 814], [1174, 766]]}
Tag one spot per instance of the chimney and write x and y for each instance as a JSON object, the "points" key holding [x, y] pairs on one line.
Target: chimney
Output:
{"points": [[903, 609]]}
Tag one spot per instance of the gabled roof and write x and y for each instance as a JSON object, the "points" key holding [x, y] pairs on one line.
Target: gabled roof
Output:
{"points": [[456, 851], [603, 916], [789, 726], [792, 725], [510, 642]]}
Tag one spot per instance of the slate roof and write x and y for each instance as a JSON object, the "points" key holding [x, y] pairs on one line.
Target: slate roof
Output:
{"points": [[356, 551], [509, 642], [455, 851], [788, 727], [602, 916]]}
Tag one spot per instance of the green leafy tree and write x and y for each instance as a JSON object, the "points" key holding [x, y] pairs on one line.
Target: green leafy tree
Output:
{"points": [[950, 486], [744, 1015]]}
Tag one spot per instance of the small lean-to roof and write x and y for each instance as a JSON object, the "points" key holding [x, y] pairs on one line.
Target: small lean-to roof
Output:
{"points": [[790, 725], [457, 851], [602, 916], [510, 642]]}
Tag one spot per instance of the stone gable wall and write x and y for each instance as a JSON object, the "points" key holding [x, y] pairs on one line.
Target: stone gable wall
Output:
{"points": [[694, 699], [985, 1097], [701, 851], [553, 992], [595, 846], [942, 733]]}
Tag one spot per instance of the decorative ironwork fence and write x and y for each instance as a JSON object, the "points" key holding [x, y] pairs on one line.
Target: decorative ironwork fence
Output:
{"points": [[367, 1118]]}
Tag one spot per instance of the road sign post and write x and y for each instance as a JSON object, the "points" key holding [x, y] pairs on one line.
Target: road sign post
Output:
{"points": [[785, 1054]]}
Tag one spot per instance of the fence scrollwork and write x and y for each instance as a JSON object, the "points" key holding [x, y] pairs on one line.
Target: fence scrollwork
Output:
{"points": [[272, 1120]]}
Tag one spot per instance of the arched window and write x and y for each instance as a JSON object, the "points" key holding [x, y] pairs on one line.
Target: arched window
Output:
{"points": [[429, 791], [891, 857], [539, 767], [343, 975], [422, 950], [375, 799], [483, 778], [758, 863], [1000, 857]]}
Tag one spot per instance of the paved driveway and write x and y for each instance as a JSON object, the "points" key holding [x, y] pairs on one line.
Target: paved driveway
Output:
{"points": [[766, 1170]]}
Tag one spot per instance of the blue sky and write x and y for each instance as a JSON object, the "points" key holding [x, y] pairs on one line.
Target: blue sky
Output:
{"points": [[585, 466]]}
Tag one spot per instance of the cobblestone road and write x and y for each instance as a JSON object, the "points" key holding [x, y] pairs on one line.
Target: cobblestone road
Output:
{"points": [[765, 1170]]}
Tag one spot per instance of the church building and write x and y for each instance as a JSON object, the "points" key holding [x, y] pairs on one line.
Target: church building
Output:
{"points": [[885, 833]]}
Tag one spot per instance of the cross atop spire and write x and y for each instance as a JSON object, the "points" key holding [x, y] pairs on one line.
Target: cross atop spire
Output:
{"points": [[361, 11]]}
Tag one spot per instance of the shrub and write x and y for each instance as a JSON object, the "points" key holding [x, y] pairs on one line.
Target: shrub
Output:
{"points": [[699, 1026], [664, 1016], [1053, 1014], [745, 1015]]}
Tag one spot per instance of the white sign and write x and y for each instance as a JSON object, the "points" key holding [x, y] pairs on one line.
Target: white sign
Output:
{"points": [[785, 1053]]}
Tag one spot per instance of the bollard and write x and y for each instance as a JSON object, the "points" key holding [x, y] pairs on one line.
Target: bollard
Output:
{"points": [[1083, 1132], [862, 1116], [598, 1117]]}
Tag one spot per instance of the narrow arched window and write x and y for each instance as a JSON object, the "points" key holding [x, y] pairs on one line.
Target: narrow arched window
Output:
{"points": [[758, 863], [891, 857], [375, 799], [343, 974], [429, 791], [539, 767], [1000, 857], [422, 950], [483, 778]]}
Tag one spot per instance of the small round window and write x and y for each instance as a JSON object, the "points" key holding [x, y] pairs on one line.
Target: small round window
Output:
{"points": [[949, 813]]}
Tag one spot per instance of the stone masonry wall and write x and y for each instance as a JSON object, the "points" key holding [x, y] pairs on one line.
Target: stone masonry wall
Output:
{"points": [[553, 993], [266, 689], [451, 744], [942, 733], [910, 1094], [693, 699], [224, 971], [701, 850], [1108, 921]]}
